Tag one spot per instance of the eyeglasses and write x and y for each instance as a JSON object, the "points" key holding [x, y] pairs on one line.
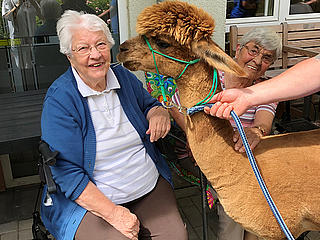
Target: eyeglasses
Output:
{"points": [[255, 52], [86, 49]]}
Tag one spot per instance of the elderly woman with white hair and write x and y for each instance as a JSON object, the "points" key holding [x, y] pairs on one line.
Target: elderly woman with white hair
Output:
{"points": [[256, 52], [112, 182]]}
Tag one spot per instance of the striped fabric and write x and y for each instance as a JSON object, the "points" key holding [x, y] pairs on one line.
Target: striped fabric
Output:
{"points": [[248, 117], [123, 170]]}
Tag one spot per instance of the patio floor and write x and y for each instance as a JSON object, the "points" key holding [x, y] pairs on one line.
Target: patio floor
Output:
{"points": [[17, 206]]}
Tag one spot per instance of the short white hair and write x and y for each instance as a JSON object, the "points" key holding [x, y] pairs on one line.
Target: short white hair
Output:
{"points": [[264, 37], [71, 20]]}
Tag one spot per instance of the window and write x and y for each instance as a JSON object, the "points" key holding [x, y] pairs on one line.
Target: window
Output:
{"points": [[271, 12], [249, 8], [304, 7]]}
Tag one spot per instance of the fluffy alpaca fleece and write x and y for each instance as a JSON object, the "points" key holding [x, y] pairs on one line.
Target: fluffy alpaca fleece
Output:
{"points": [[180, 21], [289, 163]]}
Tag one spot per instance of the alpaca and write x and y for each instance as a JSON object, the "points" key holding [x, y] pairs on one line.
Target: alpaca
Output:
{"points": [[289, 163]]}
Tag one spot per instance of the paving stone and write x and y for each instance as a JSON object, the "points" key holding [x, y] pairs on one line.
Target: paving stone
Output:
{"points": [[25, 224], [313, 236], [191, 233], [6, 208], [25, 234], [185, 202], [211, 234], [193, 215], [187, 192], [8, 227], [10, 236]]}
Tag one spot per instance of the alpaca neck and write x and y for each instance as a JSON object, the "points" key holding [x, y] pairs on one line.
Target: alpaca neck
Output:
{"points": [[194, 86], [204, 130]]}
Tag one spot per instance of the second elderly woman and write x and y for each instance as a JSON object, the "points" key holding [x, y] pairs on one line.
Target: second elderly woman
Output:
{"points": [[112, 182], [256, 52]]}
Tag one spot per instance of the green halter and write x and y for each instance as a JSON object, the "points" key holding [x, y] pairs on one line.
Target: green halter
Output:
{"points": [[161, 83]]}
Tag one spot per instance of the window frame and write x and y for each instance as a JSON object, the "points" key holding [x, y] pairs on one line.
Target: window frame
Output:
{"points": [[123, 20], [280, 14], [260, 19]]}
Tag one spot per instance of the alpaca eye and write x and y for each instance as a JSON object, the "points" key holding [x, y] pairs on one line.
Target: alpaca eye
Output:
{"points": [[162, 44]]}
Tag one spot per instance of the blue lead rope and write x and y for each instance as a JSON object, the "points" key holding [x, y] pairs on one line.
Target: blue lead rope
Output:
{"points": [[254, 166]]}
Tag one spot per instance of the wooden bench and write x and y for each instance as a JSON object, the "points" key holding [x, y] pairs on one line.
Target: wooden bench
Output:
{"points": [[299, 42], [19, 124]]}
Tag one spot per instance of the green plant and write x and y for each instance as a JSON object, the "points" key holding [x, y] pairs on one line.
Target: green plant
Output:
{"points": [[99, 5]]}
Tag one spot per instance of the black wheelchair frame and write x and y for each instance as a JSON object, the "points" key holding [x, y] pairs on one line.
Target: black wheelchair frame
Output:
{"points": [[47, 158]]}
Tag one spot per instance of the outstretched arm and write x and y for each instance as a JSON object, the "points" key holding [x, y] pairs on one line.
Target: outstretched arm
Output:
{"points": [[104, 13], [301, 80], [310, 2], [227, 100]]}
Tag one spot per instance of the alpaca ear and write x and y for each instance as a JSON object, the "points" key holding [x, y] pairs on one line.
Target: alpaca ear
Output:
{"points": [[216, 57]]}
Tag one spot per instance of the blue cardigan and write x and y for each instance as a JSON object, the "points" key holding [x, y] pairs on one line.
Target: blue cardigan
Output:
{"points": [[67, 127]]}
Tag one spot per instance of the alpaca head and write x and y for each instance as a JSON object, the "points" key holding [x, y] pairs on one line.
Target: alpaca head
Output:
{"points": [[179, 30]]}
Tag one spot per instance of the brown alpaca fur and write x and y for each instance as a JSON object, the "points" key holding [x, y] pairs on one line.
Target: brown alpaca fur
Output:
{"points": [[289, 163]]}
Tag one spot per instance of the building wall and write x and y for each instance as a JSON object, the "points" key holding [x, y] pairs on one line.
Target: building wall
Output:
{"points": [[216, 8], [134, 9]]}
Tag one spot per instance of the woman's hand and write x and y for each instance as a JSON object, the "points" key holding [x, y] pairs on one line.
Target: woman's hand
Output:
{"points": [[124, 221], [253, 136], [119, 217], [159, 123]]}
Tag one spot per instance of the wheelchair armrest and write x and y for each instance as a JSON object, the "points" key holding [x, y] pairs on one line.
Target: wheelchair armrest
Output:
{"points": [[48, 158]]}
